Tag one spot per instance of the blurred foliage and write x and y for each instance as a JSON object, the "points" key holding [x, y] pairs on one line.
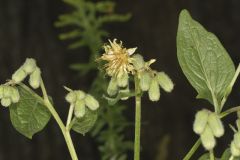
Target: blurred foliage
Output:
{"points": [[86, 22]]}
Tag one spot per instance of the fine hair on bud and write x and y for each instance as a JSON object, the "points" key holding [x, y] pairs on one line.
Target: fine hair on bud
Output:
{"points": [[122, 80], [79, 108], [19, 75], [234, 150], [145, 80], [216, 125], [5, 102], [154, 90], [112, 87], [208, 139], [165, 82], [80, 94], [91, 102], [29, 65], [35, 78], [236, 139], [71, 97], [138, 61], [200, 121]]}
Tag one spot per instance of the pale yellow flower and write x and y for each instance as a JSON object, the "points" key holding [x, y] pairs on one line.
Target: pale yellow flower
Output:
{"points": [[118, 59]]}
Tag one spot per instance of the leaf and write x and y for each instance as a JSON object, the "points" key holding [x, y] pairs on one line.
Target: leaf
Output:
{"points": [[204, 157], [204, 61], [227, 154], [85, 124], [29, 115]]}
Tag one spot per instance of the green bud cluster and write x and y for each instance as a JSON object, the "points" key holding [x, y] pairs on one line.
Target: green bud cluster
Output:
{"points": [[80, 100], [8, 95], [209, 126], [28, 68], [235, 144]]}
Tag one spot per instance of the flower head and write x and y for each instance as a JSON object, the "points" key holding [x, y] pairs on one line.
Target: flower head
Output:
{"points": [[118, 59]]}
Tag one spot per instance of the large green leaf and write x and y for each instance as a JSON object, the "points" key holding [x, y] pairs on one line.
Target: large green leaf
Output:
{"points": [[29, 115], [85, 124], [204, 61]]}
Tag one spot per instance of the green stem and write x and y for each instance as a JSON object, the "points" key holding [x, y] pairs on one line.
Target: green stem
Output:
{"points": [[69, 118], [137, 120], [211, 155], [231, 158], [229, 111], [65, 132], [192, 150]]}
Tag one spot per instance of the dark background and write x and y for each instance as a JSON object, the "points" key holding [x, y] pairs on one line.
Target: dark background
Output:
{"points": [[26, 30]]}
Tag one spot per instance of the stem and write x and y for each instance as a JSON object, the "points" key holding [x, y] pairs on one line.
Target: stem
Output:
{"points": [[231, 158], [211, 155], [65, 132], [229, 111], [69, 118], [192, 150], [137, 119]]}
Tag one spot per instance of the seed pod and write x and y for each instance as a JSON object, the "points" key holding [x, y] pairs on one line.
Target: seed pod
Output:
{"points": [[35, 78], [29, 65], [79, 108], [216, 125], [145, 80], [5, 102], [71, 97], [91, 102], [19, 75], [80, 94], [236, 140], [15, 97], [112, 87], [234, 150], [208, 139], [238, 123], [1, 91], [165, 82], [200, 121], [154, 90], [122, 81], [138, 61]]}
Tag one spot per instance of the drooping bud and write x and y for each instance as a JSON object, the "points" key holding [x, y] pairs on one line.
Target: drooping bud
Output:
{"points": [[138, 61], [91, 102], [216, 125], [145, 80], [29, 65], [236, 140], [234, 150], [112, 87], [79, 108], [19, 75], [208, 139], [15, 97], [200, 121], [122, 81], [165, 82], [154, 90], [80, 94], [71, 97], [5, 102], [35, 78]]}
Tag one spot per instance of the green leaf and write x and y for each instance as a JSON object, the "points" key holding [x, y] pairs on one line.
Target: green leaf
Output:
{"points": [[204, 61], [85, 124], [29, 115], [227, 154], [204, 157]]}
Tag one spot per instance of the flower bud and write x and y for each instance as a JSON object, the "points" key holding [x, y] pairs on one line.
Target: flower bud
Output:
{"points": [[35, 78], [122, 81], [138, 61], [234, 150], [80, 94], [200, 121], [165, 82], [125, 91], [7, 91], [71, 97], [154, 90], [208, 139], [236, 140], [91, 102], [112, 87], [29, 65], [145, 80], [216, 125], [15, 97], [79, 108], [5, 102], [19, 75]]}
